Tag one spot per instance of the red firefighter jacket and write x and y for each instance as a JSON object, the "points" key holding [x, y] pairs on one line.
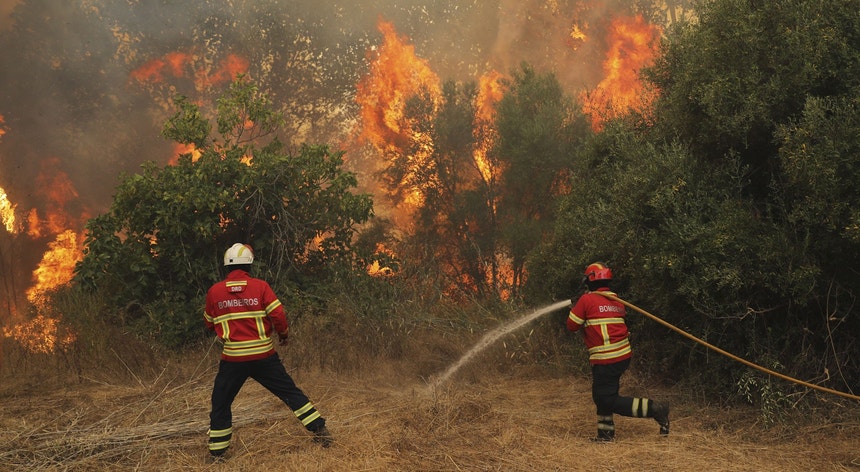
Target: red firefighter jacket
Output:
{"points": [[603, 327], [244, 312]]}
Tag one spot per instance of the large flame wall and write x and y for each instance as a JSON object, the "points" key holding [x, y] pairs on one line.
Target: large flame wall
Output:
{"points": [[87, 86]]}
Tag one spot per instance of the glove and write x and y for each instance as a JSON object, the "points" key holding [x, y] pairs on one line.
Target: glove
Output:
{"points": [[283, 337]]}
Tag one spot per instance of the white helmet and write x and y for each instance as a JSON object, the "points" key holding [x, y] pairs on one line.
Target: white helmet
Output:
{"points": [[239, 254]]}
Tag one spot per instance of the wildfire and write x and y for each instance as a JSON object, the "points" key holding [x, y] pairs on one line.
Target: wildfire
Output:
{"points": [[376, 268], [58, 191], [577, 37], [34, 224], [7, 213], [395, 75], [490, 91], [179, 65], [633, 45], [180, 149], [153, 71], [56, 268], [41, 335], [229, 68]]}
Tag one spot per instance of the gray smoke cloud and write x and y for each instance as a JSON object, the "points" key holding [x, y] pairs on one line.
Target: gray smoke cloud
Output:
{"points": [[87, 85]]}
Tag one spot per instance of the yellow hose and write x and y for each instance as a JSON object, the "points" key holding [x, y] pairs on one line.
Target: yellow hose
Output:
{"points": [[745, 362]]}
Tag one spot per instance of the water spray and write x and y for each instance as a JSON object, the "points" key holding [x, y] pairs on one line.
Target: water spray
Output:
{"points": [[497, 333], [492, 336]]}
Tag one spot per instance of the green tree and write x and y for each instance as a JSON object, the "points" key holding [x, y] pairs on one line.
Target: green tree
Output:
{"points": [[774, 85], [537, 128], [685, 243], [820, 160], [477, 217], [819, 156], [733, 216], [743, 68], [159, 247]]}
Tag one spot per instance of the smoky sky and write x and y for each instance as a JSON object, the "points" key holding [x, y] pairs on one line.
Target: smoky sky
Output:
{"points": [[70, 104]]}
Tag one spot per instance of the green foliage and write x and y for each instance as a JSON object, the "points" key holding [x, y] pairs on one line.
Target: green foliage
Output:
{"points": [[188, 126], [659, 214], [820, 158], [245, 104], [160, 246], [757, 389], [729, 79], [685, 244], [734, 216], [537, 129]]}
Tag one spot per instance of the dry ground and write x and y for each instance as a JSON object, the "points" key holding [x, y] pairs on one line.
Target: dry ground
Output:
{"points": [[385, 417]]}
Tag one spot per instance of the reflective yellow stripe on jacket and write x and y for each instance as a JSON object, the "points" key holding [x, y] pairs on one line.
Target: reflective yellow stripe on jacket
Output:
{"points": [[248, 347], [607, 350]]}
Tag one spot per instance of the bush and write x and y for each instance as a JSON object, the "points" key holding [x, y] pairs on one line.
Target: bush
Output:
{"points": [[160, 246]]}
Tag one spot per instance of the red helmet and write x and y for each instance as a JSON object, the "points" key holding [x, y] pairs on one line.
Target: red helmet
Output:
{"points": [[597, 271]]}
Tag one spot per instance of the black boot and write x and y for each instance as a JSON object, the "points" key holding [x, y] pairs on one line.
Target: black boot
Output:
{"points": [[660, 413], [323, 437], [605, 429]]}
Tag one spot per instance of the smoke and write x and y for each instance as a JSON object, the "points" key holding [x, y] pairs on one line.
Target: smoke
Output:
{"points": [[6, 7], [73, 108]]}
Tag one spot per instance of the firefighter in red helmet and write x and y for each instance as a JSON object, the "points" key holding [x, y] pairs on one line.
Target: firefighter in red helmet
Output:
{"points": [[602, 323], [246, 315]]}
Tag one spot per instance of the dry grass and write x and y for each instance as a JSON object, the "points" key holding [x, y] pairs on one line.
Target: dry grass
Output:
{"points": [[385, 415]]}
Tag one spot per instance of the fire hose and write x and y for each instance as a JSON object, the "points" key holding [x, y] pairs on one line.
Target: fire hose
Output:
{"points": [[745, 362]]}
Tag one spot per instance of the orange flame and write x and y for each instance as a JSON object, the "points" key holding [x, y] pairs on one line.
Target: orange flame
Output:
{"points": [[58, 190], [577, 37], [395, 75], [175, 62], [190, 148], [229, 68], [34, 224], [633, 45], [7, 213], [179, 149], [375, 268], [153, 70], [40, 335], [56, 268], [490, 91], [178, 65]]}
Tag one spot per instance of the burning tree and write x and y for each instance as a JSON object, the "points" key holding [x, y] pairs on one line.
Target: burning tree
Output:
{"points": [[432, 172], [159, 246], [472, 169], [538, 127]]}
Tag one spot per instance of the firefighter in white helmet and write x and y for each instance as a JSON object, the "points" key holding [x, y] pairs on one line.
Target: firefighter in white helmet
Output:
{"points": [[604, 330], [246, 315]]}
